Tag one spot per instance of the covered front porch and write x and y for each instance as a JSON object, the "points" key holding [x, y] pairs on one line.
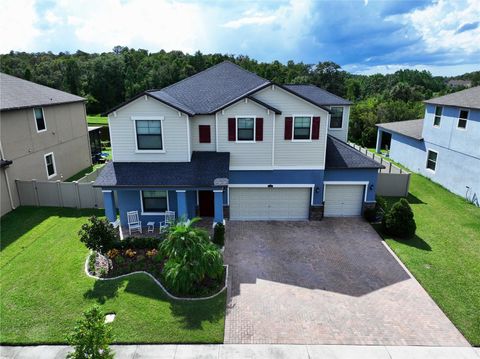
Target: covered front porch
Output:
{"points": [[189, 189]]}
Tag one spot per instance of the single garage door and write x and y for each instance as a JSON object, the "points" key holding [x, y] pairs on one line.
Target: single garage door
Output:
{"points": [[269, 203], [343, 200]]}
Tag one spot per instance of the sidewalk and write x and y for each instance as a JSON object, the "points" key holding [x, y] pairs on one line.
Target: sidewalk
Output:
{"points": [[239, 351]]}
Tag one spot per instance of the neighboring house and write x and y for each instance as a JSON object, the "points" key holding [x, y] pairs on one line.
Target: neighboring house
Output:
{"points": [[445, 145], [43, 135], [458, 83], [226, 143]]}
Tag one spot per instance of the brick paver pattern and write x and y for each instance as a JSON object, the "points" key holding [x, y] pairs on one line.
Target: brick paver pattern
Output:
{"points": [[327, 282]]}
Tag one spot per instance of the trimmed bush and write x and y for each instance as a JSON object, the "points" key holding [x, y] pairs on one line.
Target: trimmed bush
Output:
{"points": [[219, 235], [399, 221], [98, 235]]}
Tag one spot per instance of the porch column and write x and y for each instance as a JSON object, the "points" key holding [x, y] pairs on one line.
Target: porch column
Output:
{"points": [[218, 209], [109, 204], [378, 147], [182, 204]]}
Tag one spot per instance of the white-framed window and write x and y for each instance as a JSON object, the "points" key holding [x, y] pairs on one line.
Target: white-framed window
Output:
{"points": [[438, 116], [432, 157], [336, 117], [462, 119], [50, 165], [302, 128], [154, 202], [149, 134], [246, 129], [39, 117]]}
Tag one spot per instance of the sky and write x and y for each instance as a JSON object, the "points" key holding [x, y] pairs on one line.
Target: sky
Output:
{"points": [[363, 36]]}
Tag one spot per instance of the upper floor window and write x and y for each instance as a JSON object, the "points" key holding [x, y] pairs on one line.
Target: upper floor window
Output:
{"points": [[245, 129], [336, 117], [302, 126], [462, 119], [154, 201], [39, 119], [432, 160], [438, 116], [50, 165], [149, 135]]}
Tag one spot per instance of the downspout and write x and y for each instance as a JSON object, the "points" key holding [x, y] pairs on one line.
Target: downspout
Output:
{"points": [[9, 190]]}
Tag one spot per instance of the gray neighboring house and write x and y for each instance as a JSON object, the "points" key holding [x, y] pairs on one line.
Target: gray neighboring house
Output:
{"points": [[43, 135]]}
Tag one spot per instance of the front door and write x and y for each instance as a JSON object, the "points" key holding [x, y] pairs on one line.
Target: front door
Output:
{"points": [[206, 204]]}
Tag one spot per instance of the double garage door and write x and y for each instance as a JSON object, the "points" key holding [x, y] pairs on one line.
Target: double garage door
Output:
{"points": [[343, 200], [269, 203]]}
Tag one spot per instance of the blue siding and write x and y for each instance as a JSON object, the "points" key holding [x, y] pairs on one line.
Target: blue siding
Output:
{"points": [[129, 200], [282, 177], [455, 170], [363, 175]]}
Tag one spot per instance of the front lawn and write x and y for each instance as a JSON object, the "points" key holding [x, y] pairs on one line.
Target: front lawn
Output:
{"points": [[44, 288], [445, 254]]}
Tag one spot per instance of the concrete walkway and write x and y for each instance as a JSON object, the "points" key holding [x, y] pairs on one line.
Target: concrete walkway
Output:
{"points": [[238, 351]]}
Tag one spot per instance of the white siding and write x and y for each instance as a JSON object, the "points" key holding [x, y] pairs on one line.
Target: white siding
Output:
{"points": [[341, 133], [122, 132], [194, 132], [242, 155], [295, 154]]}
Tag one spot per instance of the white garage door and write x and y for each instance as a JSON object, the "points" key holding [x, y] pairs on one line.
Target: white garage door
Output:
{"points": [[343, 200], [269, 203]]}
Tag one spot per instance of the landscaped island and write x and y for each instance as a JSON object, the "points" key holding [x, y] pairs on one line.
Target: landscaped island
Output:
{"points": [[44, 289]]}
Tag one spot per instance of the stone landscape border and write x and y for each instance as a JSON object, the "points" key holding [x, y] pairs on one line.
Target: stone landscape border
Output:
{"points": [[171, 296]]}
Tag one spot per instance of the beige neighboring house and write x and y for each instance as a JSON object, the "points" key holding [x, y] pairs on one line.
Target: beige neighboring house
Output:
{"points": [[43, 134]]}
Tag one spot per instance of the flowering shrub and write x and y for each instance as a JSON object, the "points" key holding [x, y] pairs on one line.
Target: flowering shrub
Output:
{"points": [[112, 253], [151, 253], [130, 253]]}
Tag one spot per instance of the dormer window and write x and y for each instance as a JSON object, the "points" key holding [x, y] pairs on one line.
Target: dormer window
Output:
{"points": [[462, 119], [438, 116], [336, 117]]}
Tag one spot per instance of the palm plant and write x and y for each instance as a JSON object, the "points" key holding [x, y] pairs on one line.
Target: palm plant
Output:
{"points": [[191, 257]]}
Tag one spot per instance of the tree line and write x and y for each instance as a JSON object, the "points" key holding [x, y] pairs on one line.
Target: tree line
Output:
{"points": [[110, 78]]}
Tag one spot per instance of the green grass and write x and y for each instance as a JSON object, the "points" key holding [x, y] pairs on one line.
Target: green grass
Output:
{"points": [[44, 288], [97, 121], [84, 172], [444, 255]]}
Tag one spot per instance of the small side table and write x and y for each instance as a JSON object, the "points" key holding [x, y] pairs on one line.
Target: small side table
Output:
{"points": [[150, 227]]}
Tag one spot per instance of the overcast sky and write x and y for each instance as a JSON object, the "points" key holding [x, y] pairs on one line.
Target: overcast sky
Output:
{"points": [[364, 36]]}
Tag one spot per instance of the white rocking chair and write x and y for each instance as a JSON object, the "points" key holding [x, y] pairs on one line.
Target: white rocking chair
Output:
{"points": [[169, 220], [134, 222]]}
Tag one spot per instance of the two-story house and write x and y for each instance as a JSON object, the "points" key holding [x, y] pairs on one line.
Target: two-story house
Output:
{"points": [[43, 135], [226, 143], [443, 146]]}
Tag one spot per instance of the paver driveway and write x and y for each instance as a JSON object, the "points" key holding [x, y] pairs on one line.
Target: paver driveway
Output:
{"points": [[328, 282]]}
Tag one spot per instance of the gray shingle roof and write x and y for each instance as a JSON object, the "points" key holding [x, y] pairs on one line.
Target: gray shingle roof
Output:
{"points": [[341, 155], [202, 171], [469, 98], [16, 93], [221, 85], [410, 128], [317, 95], [210, 90]]}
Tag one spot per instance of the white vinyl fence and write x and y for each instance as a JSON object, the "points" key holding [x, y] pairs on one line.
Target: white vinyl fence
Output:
{"points": [[59, 194], [393, 181]]}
